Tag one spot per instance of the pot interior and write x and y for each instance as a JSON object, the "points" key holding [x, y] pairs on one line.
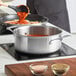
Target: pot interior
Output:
{"points": [[37, 30]]}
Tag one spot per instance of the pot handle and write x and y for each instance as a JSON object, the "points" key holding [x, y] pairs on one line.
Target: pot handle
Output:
{"points": [[60, 38], [11, 28]]}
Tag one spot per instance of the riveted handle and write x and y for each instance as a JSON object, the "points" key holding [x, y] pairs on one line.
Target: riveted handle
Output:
{"points": [[12, 28], [60, 38]]}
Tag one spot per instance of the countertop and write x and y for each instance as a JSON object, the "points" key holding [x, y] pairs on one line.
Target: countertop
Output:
{"points": [[5, 58]]}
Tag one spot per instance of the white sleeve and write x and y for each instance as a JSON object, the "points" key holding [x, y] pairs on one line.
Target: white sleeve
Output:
{"points": [[18, 2], [13, 3]]}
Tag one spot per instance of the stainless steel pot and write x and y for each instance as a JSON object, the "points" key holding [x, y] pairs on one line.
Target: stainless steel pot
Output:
{"points": [[37, 45]]}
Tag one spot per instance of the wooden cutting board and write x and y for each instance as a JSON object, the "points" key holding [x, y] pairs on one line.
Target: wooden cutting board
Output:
{"points": [[22, 69]]}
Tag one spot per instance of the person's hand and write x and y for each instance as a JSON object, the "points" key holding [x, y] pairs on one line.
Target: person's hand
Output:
{"points": [[0, 1], [2, 4]]}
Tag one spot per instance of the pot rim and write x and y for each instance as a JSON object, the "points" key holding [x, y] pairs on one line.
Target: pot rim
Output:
{"points": [[60, 31]]}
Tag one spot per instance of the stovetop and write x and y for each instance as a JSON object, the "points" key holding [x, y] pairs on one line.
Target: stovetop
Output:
{"points": [[65, 50]]}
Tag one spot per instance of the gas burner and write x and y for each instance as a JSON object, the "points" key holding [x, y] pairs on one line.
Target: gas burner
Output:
{"points": [[65, 50]]}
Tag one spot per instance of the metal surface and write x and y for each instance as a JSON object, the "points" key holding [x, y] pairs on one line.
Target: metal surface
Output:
{"points": [[37, 45]]}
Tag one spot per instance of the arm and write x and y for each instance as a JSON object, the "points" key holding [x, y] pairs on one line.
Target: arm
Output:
{"points": [[2, 4], [10, 6]]}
